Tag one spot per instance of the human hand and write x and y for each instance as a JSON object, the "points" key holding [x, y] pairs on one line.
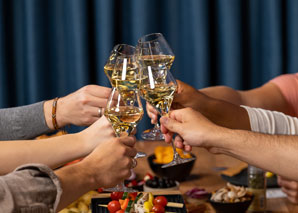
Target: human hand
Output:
{"points": [[187, 96], [192, 127], [98, 132], [111, 161], [290, 188], [181, 100], [81, 107]]}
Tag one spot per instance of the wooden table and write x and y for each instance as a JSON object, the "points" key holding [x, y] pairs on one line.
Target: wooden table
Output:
{"points": [[204, 176]]}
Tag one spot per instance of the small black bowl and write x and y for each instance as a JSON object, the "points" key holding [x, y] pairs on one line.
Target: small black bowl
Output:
{"points": [[239, 207], [177, 172]]}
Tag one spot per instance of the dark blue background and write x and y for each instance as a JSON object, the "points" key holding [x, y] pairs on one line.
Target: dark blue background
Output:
{"points": [[50, 48]]}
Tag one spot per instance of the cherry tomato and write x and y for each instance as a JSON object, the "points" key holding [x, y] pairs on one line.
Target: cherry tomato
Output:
{"points": [[120, 211], [116, 195], [161, 200], [114, 206], [158, 208]]}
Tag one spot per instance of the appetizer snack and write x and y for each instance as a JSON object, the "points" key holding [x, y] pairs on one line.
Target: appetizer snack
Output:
{"points": [[137, 203], [81, 205], [231, 194], [164, 154]]}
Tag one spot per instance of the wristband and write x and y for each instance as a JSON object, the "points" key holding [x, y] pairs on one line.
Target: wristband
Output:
{"points": [[54, 110]]}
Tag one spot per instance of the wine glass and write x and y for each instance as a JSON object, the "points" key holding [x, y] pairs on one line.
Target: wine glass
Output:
{"points": [[118, 55], [123, 72], [124, 116], [160, 94], [153, 51]]}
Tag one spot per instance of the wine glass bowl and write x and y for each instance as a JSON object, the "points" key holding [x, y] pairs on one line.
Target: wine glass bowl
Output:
{"points": [[159, 94], [154, 54], [124, 117], [121, 58]]}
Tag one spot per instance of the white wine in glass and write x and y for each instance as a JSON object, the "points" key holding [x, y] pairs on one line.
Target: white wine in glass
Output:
{"points": [[154, 52], [124, 118], [160, 96], [123, 71]]}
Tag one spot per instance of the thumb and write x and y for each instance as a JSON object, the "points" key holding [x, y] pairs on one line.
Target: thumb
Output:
{"points": [[171, 124]]}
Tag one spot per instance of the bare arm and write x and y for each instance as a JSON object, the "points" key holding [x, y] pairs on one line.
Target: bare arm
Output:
{"points": [[267, 96], [54, 151], [106, 166], [276, 153], [36, 188]]}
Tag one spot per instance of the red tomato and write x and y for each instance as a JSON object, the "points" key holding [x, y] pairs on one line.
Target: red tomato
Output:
{"points": [[116, 195], [114, 206], [158, 209], [160, 200], [120, 211]]}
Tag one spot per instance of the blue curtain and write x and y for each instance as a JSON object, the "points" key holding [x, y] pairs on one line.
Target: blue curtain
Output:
{"points": [[50, 48]]}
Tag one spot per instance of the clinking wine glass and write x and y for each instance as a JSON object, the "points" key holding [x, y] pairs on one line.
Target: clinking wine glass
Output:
{"points": [[124, 115], [160, 94], [153, 51], [122, 58], [123, 73]]}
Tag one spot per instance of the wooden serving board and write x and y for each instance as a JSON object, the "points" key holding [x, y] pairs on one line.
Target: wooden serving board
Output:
{"points": [[155, 193], [99, 202]]}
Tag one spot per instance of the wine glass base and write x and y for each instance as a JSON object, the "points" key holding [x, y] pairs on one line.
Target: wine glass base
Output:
{"points": [[152, 135], [177, 162], [140, 155]]}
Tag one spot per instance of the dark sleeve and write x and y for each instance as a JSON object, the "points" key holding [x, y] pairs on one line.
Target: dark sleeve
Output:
{"points": [[22, 122], [30, 188]]}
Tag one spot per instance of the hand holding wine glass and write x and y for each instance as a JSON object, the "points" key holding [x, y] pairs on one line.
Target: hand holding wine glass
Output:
{"points": [[124, 109], [124, 117], [160, 95]]}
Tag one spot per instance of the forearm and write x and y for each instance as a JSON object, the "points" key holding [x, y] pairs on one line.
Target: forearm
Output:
{"points": [[22, 122], [52, 152], [224, 114], [75, 180], [276, 153], [223, 93]]}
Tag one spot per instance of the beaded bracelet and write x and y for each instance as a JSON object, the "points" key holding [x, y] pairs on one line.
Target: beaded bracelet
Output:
{"points": [[54, 109]]}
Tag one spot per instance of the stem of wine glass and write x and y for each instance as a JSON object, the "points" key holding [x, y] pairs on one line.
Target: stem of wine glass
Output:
{"points": [[176, 155], [156, 127]]}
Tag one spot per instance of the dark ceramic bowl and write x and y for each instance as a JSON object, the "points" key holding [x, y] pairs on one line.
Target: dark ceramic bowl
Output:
{"points": [[179, 172], [239, 207]]}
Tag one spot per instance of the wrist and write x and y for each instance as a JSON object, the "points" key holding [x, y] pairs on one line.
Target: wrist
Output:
{"points": [[61, 116], [220, 140], [85, 142]]}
